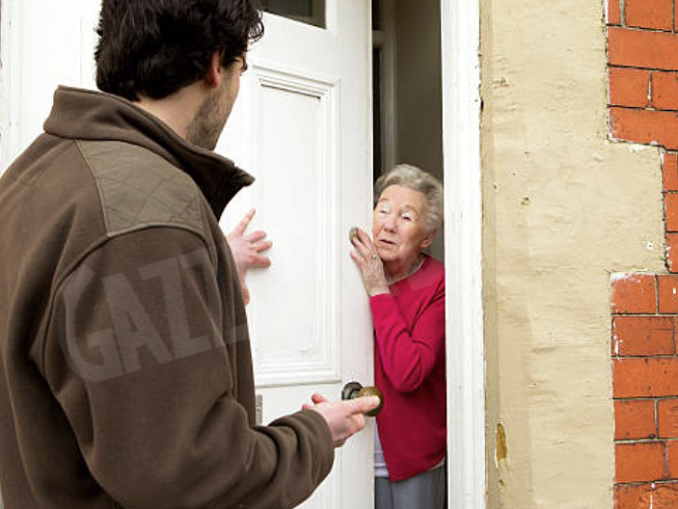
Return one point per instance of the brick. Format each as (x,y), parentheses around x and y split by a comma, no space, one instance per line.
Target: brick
(613,12)
(634,419)
(667,418)
(646,496)
(640,462)
(629,87)
(671,204)
(670,171)
(645,377)
(665,90)
(667,290)
(672,456)
(672,252)
(634,293)
(645,126)
(643,335)
(657,14)
(641,48)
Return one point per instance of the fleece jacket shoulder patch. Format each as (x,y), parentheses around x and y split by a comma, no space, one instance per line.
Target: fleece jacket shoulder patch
(139,188)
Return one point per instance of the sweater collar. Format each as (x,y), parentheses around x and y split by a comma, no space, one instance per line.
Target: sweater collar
(90,115)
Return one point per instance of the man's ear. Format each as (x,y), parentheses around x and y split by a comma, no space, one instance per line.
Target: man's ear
(213,75)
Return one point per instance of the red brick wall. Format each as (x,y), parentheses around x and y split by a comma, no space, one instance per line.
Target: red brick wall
(643,79)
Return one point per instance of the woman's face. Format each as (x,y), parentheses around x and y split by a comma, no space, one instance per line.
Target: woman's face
(398,225)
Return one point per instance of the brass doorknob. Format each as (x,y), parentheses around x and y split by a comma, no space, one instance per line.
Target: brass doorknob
(352,233)
(355,390)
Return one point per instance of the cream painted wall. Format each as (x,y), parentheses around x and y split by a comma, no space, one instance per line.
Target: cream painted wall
(564,208)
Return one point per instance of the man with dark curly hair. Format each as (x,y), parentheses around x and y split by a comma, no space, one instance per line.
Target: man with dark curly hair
(125,368)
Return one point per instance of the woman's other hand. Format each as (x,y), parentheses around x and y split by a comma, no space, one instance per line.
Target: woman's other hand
(247,250)
(371,267)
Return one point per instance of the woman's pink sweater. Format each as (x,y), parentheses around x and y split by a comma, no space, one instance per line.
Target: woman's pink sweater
(409,362)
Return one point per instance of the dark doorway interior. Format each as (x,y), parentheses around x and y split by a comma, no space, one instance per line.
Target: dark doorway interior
(407,89)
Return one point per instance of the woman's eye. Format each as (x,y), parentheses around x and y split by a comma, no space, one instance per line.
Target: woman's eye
(407,217)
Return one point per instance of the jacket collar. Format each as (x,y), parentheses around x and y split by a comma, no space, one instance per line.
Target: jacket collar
(89,115)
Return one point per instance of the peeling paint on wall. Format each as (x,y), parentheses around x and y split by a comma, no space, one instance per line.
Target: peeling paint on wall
(502,447)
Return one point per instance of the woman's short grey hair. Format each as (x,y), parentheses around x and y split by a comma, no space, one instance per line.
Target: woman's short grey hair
(416,179)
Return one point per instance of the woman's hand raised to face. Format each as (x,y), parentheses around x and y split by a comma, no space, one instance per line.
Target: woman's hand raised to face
(371,267)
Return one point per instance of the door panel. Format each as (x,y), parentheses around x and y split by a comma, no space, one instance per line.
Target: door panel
(296,132)
(301,126)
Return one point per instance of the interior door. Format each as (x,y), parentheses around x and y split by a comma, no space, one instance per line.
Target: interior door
(301,126)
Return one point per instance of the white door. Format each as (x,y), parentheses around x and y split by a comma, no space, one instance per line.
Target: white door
(302,127)
(44,44)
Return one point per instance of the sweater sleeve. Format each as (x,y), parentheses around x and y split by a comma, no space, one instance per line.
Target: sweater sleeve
(146,371)
(408,354)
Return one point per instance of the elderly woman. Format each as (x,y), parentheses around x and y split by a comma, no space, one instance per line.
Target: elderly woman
(407,299)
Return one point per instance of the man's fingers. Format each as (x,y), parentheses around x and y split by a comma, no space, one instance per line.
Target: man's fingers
(363,405)
(318,398)
(262,246)
(344,418)
(260,262)
(356,423)
(256,236)
(244,222)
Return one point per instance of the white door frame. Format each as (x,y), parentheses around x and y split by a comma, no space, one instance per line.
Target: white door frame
(460,26)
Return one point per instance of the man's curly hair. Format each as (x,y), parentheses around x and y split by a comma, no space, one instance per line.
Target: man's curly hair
(156,47)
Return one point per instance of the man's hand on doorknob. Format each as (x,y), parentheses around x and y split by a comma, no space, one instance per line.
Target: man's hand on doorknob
(345,418)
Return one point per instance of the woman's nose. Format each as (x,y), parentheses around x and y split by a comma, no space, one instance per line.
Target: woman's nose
(390,223)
